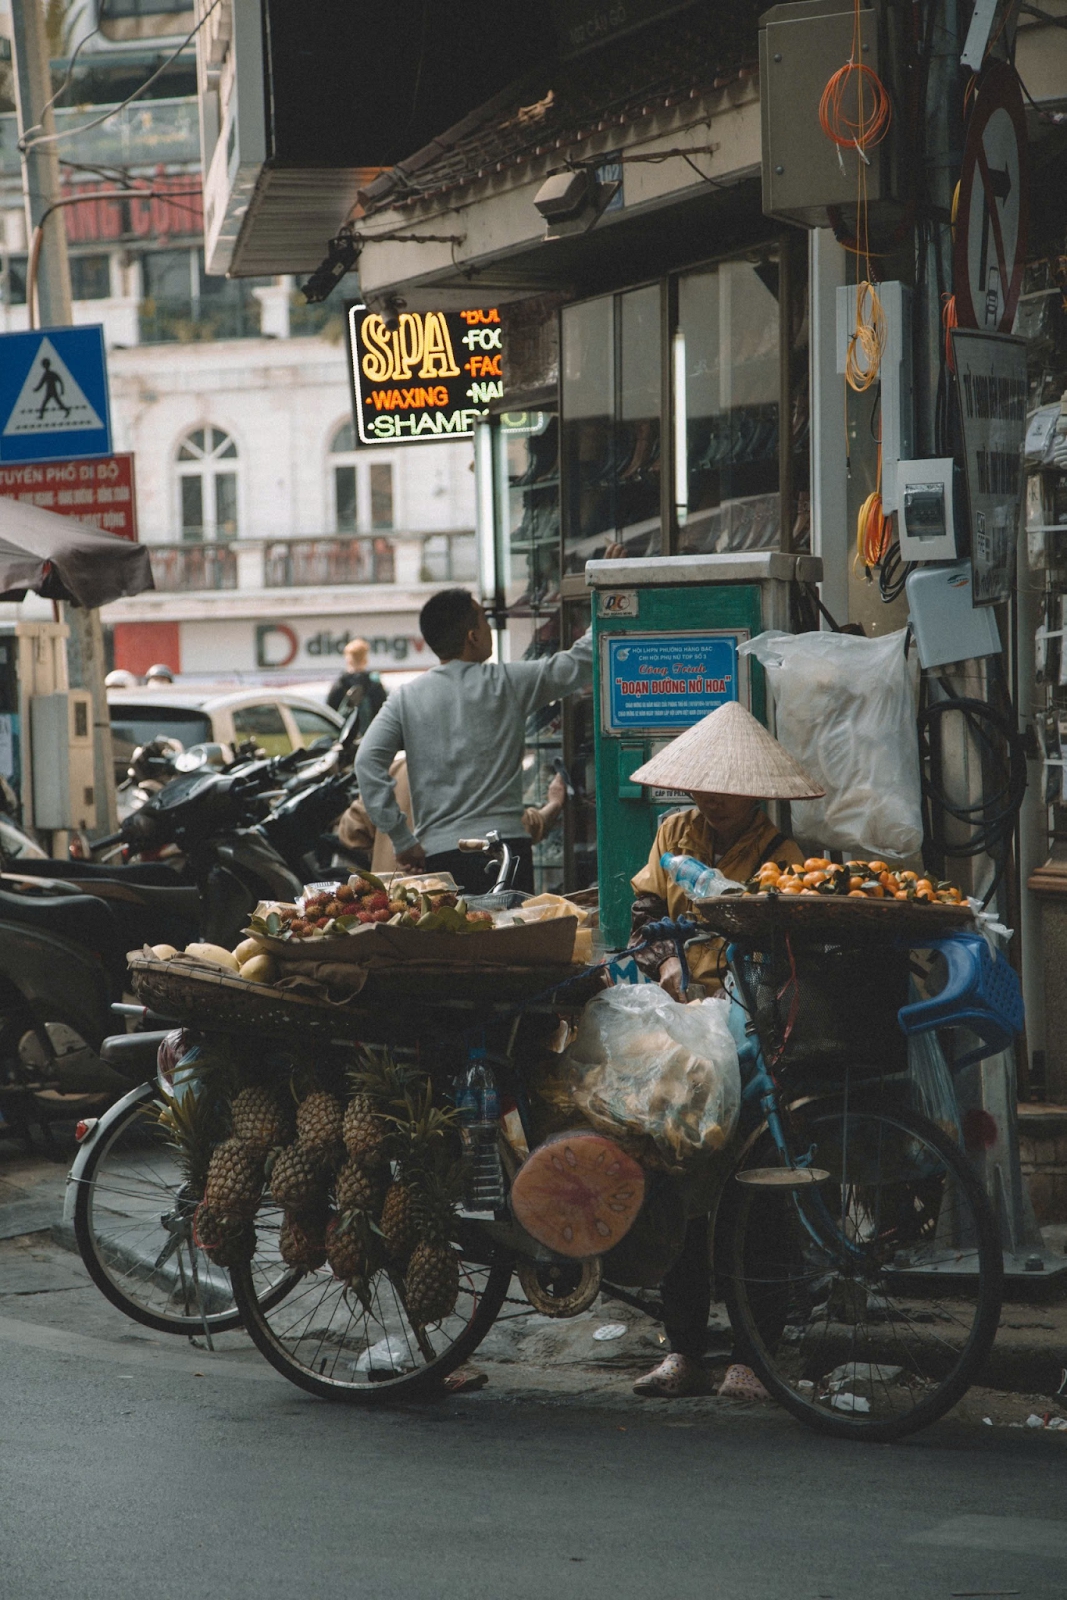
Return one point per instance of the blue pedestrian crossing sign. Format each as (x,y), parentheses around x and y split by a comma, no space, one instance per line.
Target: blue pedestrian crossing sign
(53,395)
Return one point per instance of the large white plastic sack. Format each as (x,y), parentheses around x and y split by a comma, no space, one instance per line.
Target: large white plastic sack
(845,708)
(643,1064)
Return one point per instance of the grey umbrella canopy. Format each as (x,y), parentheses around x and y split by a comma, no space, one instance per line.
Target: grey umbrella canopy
(64,559)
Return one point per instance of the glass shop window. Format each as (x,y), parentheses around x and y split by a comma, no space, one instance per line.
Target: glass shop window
(726,388)
(611,427)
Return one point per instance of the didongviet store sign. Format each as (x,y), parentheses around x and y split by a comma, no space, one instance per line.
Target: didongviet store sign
(429,376)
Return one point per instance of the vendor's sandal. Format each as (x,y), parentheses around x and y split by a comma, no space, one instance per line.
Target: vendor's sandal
(465,1380)
(741,1383)
(675,1377)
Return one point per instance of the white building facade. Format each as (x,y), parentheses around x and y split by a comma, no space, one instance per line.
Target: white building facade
(274,538)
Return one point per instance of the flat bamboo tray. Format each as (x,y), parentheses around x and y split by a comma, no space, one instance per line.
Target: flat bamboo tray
(828,919)
(199,997)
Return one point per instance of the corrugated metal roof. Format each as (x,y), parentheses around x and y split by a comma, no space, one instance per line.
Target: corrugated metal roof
(683,58)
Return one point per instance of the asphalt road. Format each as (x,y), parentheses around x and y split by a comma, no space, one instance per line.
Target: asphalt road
(136,1468)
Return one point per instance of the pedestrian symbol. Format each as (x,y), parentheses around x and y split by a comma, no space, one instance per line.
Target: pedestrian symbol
(53,395)
(50,397)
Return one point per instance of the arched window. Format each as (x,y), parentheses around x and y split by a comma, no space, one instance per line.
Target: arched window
(362,489)
(207,485)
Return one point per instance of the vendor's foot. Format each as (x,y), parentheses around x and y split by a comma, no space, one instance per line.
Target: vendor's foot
(674,1377)
(741,1383)
(465,1380)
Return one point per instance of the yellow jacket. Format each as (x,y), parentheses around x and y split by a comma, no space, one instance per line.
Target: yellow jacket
(687,833)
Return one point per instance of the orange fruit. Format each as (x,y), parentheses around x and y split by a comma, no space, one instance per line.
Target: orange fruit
(875,867)
(900,894)
(856,894)
(812,878)
(816,864)
(854,883)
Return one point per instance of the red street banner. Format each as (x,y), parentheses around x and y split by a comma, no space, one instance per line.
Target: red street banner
(99,492)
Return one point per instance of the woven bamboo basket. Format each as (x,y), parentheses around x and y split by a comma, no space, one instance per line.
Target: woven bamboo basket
(199,997)
(826,919)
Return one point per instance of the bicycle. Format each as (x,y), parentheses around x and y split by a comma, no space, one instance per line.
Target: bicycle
(870,1315)
(131,1209)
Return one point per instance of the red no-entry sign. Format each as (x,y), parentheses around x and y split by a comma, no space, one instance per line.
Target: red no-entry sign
(991,218)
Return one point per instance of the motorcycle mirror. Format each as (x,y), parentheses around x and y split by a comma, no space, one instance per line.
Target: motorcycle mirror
(350,732)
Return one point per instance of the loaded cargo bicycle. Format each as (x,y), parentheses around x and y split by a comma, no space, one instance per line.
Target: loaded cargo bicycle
(383,1121)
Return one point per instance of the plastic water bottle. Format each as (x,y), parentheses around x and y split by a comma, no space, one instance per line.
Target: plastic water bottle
(694,878)
(478,1104)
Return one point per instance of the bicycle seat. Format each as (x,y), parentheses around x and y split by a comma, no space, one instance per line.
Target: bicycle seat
(981,992)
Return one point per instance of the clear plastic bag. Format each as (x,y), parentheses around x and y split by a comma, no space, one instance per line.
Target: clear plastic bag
(845,708)
(641,1064)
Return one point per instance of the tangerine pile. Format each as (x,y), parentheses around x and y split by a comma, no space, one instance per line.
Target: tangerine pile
(863,880)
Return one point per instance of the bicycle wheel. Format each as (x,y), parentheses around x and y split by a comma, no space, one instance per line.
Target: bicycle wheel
(867,1302)
(133,1227)
(324,1340)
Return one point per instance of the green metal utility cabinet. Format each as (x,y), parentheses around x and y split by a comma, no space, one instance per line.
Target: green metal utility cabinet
(666,632)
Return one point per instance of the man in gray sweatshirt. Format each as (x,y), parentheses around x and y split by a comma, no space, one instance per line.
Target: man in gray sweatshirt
(462,725)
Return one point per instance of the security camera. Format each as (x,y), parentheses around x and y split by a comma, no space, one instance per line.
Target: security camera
(343,254)
(571,201)
(565,195)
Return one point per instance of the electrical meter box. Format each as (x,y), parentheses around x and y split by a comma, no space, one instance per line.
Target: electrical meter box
(61,728)
(801,46)
(666,632)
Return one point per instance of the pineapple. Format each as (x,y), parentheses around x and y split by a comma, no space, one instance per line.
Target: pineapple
(302,1241)
(431,1283)
(398,1220)
(364,1131)
(230,1241)
(297,1179)
(356,1188)
(346,1252)
(234,1179)
(258,1118)
(319,1123)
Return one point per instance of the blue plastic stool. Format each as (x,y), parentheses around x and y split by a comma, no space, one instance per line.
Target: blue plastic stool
(981,993)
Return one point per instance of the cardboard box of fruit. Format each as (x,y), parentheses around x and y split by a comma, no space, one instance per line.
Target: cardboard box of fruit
(369,923)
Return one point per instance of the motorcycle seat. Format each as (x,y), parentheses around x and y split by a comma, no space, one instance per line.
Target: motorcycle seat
(149,873)
(81,918)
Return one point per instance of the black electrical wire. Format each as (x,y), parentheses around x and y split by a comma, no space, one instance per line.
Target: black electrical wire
(991,820)
(893,574)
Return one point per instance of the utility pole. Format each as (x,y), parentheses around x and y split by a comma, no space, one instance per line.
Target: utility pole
(40,182)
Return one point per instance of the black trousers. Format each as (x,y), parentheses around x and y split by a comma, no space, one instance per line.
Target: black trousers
(687,1286)
(469,869)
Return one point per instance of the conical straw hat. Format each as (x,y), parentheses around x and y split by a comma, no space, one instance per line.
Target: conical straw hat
(729,752)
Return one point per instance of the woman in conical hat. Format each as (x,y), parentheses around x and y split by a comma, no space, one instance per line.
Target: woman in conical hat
(727,764)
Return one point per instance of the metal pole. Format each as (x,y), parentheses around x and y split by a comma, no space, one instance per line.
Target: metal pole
(40,182)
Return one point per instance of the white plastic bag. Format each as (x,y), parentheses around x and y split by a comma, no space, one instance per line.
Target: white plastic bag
(845,708)
(643,1064)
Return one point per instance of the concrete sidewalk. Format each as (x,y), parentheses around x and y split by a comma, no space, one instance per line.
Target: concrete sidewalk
(42,1280)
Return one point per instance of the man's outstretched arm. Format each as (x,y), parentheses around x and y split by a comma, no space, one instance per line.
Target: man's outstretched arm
(377,789)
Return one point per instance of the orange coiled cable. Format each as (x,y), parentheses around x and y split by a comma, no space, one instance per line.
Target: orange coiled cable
(866,127)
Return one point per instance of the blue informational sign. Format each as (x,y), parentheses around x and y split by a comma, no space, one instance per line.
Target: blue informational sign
(53,395)
(658,682)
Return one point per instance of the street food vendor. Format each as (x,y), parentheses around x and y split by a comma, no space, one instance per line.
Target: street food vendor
(727,763)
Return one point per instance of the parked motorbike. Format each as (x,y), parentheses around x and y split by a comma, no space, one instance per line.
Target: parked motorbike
(63,941)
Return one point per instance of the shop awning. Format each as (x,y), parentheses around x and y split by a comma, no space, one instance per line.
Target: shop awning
(63,559)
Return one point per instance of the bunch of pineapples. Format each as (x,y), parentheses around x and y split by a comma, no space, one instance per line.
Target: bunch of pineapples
(233,1184)
(391,1198)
